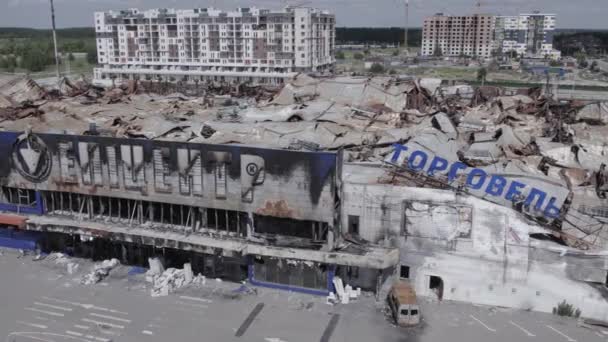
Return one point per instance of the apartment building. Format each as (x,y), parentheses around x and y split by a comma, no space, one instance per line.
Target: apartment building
(207,44)
(530,33)
(471,35)
(480,34)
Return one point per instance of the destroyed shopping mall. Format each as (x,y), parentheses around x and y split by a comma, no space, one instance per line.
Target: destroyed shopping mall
(484,195)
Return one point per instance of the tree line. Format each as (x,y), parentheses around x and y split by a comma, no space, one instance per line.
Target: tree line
(589,42)
(380,35)
(33,50)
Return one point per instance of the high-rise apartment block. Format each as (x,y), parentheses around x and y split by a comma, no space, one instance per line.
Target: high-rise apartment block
(527,33)
(206,44)
(470,35)
(483,34)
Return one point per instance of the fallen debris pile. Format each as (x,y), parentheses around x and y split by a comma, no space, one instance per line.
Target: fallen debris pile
(99,272)
(171,279)
(343,294)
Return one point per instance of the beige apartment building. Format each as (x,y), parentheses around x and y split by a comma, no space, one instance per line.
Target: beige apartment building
(471,35)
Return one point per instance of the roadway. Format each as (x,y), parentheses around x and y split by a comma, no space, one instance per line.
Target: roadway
(41,302)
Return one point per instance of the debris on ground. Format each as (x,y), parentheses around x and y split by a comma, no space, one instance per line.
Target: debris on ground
(343,294)
(172,279)
(99,272)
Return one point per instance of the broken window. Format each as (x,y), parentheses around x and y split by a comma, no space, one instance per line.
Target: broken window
(139,212)
(353,225)
(404,272)
(289,227)
(290,272)
(17,196)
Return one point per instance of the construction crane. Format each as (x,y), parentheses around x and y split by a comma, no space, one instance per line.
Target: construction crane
(407,26)
(55,41)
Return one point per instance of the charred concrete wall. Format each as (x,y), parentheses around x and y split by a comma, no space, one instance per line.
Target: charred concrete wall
(283,184)
(480,252)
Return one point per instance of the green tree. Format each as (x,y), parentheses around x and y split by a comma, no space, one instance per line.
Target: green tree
(340,55)
(92,55)
(392,72)
(358,56)
(71,57)
(3,62)
(11,63)
(482,73)
(377,68)
(396,53)
(35,57)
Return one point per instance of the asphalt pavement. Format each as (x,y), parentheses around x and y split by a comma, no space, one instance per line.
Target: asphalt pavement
(41,302)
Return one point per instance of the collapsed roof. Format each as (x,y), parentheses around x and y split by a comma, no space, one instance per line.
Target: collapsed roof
(519,134)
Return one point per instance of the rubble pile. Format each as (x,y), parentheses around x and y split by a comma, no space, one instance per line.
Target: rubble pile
(169,280)
(99,272)
(343,294)
(520,133)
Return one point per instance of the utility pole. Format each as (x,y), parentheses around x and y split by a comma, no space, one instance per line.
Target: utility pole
(55,42)
(407,26)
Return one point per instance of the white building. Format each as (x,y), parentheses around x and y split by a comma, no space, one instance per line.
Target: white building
(207,44)
(527,34)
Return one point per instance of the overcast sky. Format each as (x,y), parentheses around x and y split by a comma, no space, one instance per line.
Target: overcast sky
(350,13)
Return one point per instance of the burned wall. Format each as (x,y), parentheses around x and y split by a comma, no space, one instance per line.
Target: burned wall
(288,184)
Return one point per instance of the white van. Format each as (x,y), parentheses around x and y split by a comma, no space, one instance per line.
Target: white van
(403,304)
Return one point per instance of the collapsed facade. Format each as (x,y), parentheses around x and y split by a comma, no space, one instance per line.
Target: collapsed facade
(371,179)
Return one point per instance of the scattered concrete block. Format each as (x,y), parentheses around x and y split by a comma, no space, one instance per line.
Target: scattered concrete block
(72,267)
(339,287)
(188,275)
(156,266)
(331,298)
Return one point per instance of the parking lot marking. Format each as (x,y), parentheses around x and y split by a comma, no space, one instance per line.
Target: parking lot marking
(51,313)
(204,300)
(61,308)
(111,317)
(247,322)
(331,326)
(39,326)
(522,329)
(147,332)
(112,325)
(81,327)
(482,323)
(192,305)
(570,339)
(85,306)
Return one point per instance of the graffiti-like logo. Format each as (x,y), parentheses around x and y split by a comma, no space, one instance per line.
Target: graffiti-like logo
(252,169)
(32,158)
